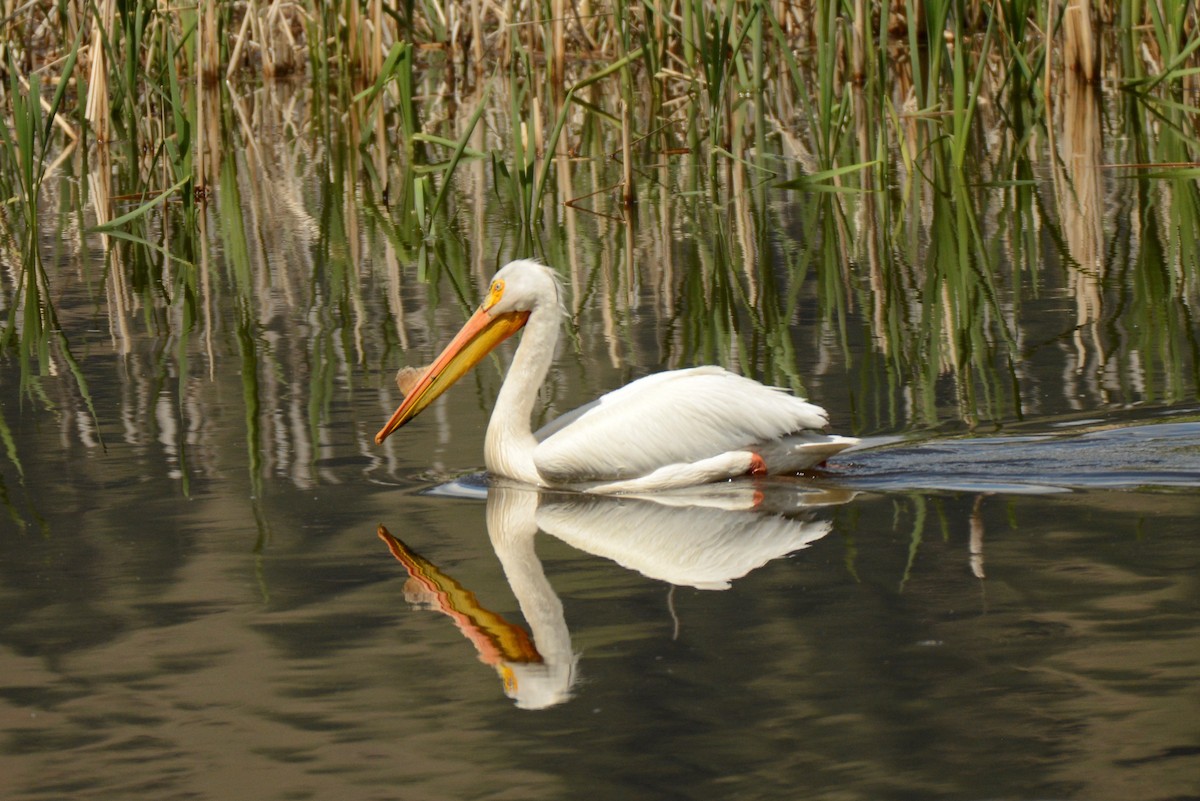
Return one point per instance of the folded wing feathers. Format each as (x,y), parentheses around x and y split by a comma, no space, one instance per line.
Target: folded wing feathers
(675,417)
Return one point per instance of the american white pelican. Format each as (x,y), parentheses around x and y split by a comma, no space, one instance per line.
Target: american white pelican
(673,429)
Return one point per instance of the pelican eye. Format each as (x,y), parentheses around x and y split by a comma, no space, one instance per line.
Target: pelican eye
(495,292)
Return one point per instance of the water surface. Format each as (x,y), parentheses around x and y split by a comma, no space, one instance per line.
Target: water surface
(919,643)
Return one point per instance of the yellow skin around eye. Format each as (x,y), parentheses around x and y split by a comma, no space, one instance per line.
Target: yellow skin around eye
(495,292)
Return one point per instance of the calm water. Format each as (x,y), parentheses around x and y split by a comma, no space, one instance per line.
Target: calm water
(997,597)
(917,644)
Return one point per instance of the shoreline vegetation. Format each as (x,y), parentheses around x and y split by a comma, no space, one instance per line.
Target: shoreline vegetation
(949,168)
(816,68)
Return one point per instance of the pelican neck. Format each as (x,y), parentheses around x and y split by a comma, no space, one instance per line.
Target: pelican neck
(509,444)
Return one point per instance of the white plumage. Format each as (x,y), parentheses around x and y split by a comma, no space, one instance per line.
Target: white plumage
(690,546)
(671,429)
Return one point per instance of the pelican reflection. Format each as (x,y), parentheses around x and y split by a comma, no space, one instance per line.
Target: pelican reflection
(695,540)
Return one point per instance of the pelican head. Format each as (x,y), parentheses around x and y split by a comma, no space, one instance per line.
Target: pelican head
(516,291)
(522,286)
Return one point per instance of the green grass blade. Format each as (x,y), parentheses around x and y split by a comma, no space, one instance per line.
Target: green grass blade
(140,211)
(67,69)
(459,149)
(809,181)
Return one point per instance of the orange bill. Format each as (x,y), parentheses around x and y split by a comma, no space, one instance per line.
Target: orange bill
(497,641)
(478,337)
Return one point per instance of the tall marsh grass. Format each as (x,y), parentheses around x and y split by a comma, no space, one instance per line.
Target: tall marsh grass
(642,148)
(911,73)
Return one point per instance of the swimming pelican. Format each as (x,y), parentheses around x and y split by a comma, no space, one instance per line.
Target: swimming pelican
(673,429)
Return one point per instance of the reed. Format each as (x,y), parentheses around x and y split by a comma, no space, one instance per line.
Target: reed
(942,54)
(880,122)
(32,328)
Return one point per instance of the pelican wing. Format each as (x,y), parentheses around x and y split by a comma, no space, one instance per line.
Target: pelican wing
(676,417)
(564,420)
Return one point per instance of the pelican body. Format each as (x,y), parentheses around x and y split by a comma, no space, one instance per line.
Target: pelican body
(677,428)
